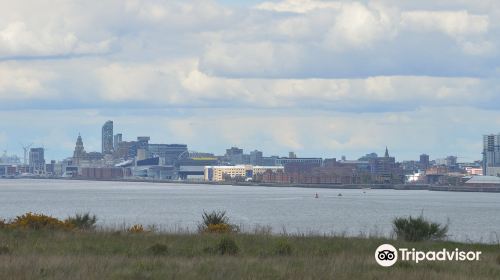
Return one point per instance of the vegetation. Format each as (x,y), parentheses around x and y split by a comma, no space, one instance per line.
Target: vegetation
(35,221)
(283,248)
(136,229)
(418,229)
(122,255)
(227,246)
(159,249)
(216,222)
(40,252)
(82,221)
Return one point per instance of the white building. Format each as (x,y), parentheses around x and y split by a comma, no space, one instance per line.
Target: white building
(218,173)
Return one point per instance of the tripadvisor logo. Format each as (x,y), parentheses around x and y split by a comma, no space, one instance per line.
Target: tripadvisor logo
(387,255)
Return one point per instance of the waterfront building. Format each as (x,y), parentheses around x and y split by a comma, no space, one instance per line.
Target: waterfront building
(82,158)
(221,173)
(107,138)
(491,153)
(37,160)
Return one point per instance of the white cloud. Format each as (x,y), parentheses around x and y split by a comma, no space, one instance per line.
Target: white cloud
(393,62)
(298,6)
(359,26)
(22,83)
(454,24)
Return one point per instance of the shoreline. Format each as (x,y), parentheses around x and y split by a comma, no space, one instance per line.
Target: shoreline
(310,186)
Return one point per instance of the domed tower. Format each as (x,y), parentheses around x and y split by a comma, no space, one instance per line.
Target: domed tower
(79,152)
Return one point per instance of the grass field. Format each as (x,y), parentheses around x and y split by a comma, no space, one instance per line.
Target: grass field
(27,254)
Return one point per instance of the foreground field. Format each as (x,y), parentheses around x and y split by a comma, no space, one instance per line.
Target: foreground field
(122,255)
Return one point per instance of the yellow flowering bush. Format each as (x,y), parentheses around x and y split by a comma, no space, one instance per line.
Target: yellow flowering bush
(218,228)
(136,229)
(38,221)
(216,222)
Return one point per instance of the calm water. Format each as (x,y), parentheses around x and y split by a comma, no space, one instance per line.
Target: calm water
(471,216)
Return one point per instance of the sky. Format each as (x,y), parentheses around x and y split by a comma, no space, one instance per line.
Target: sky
(320,78)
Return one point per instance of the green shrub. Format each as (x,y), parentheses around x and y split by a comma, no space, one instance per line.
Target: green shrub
(214,218)
(227,246)
(282,248)
(4,250)
(418,229)
(159,249)
(82,221)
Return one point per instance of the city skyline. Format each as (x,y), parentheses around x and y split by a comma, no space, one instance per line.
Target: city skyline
(321,78)
(110,143)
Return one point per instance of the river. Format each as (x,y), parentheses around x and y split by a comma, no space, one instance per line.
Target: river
(471,216)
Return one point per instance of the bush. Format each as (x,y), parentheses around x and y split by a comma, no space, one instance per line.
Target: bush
(418,229)
(82,221)
(283,248)
(3,224)
(227,246)
(38,222)
(136,229)
(158,249)
(215,218)
(4,250)
(216,222)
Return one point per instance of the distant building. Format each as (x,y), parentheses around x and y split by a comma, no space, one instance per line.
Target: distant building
(221,173)
(170,153)
(82,158)
(116,140)
(235,156)
(295,160)
(107,137)
(37,160)
(126,150)
(491,153)
(424,161)
(143,142)
(256,157)
(385,168)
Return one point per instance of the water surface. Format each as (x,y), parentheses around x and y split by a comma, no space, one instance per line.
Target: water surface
(471,216)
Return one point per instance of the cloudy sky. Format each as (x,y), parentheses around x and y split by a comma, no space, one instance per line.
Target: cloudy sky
(321,78)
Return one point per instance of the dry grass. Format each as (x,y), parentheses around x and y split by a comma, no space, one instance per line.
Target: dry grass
(122,255)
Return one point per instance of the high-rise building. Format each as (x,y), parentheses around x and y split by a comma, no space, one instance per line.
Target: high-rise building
(424,161)
(491,152)
(116,140)
(37,160)
(107,137)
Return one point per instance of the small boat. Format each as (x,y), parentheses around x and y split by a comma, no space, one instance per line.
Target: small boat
(316,196)
(339,194)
